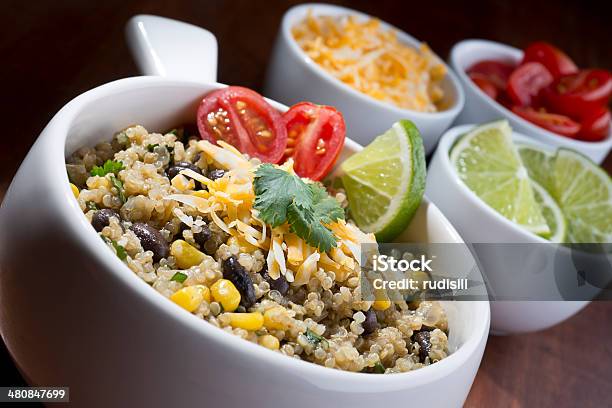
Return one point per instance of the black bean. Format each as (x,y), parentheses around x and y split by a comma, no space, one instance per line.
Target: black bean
(423,339)
(201,237)
(370,324)
(281,285)
(233,271)
(180,166)
(216,174)
(101,218)
(151,240)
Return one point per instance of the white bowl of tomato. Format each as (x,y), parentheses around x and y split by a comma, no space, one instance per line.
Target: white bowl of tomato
(540,90)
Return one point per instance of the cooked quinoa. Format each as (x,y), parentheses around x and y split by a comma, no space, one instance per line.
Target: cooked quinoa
(179,212)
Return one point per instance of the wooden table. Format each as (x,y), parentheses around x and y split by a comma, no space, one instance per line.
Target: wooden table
(52,52)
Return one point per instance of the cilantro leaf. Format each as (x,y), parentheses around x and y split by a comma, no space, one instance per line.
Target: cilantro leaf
(91,206)
(315,339)
(119,186)
(326,208)
(151,147)
(275,189)
(304,223)
(179,277)
(111,166)
(119,249)
(282,197)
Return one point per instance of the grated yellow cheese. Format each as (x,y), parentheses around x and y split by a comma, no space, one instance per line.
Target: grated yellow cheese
(229,203)
(373,61)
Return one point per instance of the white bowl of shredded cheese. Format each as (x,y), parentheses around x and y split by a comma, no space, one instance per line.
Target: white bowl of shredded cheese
(371,71)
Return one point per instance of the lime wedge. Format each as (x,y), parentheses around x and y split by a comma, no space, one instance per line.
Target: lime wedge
(488,163)
(385,181)
(552,213)
(584,193)
(539,164)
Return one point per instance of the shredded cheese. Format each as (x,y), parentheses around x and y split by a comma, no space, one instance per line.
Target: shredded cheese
(228,201)
(373,61)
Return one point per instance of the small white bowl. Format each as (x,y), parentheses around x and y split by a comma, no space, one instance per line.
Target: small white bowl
(479,107)
(71,313)
(293,77)
(533,274)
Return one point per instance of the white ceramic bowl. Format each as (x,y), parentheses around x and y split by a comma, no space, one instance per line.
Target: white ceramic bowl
(528,275)
(293,77)
(479,107)
(73,314)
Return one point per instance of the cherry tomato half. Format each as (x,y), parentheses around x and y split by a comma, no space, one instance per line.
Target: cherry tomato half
(316,135)
(581,94)
(485,85)
(559,124)
(596,126)
(555,60)
(526,83)
(243,118)
(497,72)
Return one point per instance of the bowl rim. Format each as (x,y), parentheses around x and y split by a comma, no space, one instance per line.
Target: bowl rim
(515,54)
(445,145)
(295,13)
(55,136)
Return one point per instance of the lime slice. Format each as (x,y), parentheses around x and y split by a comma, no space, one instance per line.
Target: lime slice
(584,193)
(386,180)
(539,164)
(552,213)
(488,163)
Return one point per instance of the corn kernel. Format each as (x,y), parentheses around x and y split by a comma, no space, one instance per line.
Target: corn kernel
(273,318)
(247,321)
(224,292)
(75,190)
(269,341)
(186,255)
(205,292)
(381,304)
(188,298)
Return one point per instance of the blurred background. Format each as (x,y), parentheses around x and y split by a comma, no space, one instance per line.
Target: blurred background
(53,51)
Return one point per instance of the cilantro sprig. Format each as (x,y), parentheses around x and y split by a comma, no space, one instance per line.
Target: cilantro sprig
(284,197)
(110,166)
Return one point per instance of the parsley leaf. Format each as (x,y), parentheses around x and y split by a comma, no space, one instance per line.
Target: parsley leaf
(284,197)
(119,186)
(379,368)
(111,166)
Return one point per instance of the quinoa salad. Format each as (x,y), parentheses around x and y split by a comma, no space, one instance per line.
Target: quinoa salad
(193,220)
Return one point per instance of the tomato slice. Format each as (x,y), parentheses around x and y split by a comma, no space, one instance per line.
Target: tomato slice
(244,119)
(581,94)
(559,124)
(596,126)
(526,83)
(496,72)
(316,135)
(555,60)
(484,84)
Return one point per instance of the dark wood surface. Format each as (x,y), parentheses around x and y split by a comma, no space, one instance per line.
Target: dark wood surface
(53,51)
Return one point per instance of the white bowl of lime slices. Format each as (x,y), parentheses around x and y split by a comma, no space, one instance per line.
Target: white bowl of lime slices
(474,171)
